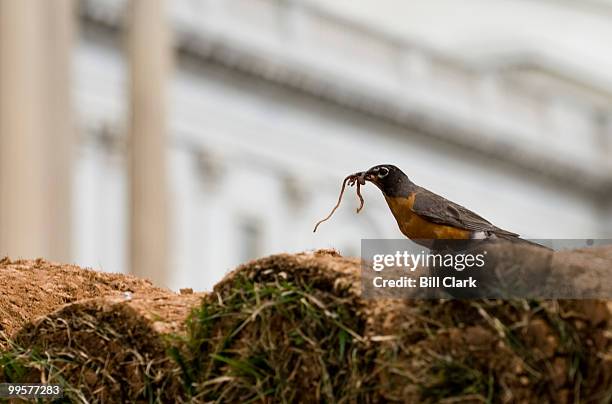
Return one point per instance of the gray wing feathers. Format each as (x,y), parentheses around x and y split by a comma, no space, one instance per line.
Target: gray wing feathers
(442,211)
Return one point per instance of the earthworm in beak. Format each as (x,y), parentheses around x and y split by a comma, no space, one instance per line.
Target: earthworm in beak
(357,178)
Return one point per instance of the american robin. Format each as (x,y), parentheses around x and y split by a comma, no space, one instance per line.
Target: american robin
(424,216)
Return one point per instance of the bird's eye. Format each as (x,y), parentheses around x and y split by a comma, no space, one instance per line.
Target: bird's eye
(383,172)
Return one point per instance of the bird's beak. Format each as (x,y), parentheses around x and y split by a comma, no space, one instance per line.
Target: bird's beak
(368,176)
(360,177)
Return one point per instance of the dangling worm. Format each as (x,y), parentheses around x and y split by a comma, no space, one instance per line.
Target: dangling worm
(359,179)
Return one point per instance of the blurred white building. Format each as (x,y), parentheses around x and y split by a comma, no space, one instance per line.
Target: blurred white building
(502,106)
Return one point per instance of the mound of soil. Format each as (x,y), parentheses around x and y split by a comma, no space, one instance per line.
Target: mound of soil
(295,327)
(111,348)
(288,328)
(31,288)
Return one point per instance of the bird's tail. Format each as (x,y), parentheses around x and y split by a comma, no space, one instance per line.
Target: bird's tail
(516,239)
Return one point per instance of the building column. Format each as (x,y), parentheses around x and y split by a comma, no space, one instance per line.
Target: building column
(60,132)
(36,133)
(149,57)
(23,204)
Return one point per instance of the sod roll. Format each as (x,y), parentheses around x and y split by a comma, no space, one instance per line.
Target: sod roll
(295,327)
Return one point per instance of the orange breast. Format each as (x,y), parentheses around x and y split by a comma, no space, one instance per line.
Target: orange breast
(415,227)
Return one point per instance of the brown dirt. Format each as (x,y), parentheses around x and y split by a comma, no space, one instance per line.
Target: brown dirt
(32,288)
(252,339)
(113,339)
(412,350)
(112,327)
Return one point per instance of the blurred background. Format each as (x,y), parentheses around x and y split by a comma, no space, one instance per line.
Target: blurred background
(177,139)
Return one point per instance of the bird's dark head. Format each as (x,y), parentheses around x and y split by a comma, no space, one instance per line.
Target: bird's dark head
(391,180)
